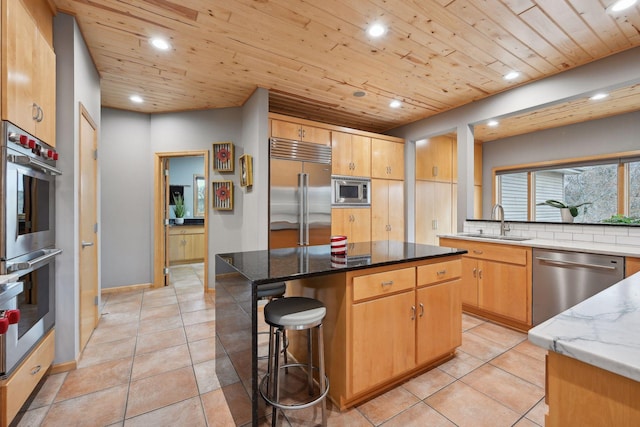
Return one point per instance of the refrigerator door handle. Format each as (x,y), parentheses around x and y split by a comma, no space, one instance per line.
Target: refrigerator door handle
(305,185)
(301,201)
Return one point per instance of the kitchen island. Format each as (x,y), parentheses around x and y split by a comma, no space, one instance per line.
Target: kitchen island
(393,310)
(593,363)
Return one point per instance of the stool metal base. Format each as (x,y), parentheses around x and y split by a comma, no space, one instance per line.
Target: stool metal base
(265,395)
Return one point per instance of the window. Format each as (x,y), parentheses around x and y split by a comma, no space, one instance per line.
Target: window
(596,185)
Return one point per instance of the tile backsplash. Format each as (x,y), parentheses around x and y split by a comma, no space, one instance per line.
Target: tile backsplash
(615,235)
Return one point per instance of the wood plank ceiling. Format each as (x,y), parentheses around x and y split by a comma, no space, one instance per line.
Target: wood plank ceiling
(313,55)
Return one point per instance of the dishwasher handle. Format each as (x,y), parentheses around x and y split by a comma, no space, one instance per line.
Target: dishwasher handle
(577,264)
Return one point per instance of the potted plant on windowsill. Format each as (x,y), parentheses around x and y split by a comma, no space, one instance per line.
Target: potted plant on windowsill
(179,208)
(567,212)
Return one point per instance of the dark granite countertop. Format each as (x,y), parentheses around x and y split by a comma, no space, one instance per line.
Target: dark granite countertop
(275,265)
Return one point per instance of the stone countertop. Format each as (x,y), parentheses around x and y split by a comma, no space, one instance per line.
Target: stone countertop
(567,245)
(603,331)
(268,266)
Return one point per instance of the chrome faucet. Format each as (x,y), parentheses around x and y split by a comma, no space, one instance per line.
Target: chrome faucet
(503,227)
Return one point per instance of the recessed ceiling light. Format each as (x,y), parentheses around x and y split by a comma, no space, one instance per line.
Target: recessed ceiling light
(492,123)
(136,98)
(620,5)
(512,75)
(159,43)
(395,104)
(599,96)
(359,93)
(376,30)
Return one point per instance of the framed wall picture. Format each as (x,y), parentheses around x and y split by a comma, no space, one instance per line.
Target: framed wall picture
(223,156)
(222,195)
(246,170)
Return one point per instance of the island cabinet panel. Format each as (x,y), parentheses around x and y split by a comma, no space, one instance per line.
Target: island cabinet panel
(385,283)
(355,223)
(439,320)
(387,159)
(300,132)
(350,154)
(383,340)
(496,281)
(580,394)
(632,266)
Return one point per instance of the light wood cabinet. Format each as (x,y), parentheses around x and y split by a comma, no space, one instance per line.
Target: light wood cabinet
(383,340)
(632,266)
(15,390)
(186,244)
(434,211)
(300,132)
(350,154)
(28,73)
(387,210)
(387,159)
(496,281)
(434,159)
(355,223)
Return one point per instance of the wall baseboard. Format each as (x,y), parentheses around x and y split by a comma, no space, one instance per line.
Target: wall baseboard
(128,288)
(63,367)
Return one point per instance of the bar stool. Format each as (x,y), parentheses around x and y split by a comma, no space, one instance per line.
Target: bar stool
(271,291)
(294,313)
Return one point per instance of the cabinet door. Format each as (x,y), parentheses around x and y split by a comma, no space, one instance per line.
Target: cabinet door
(361,155)
(379,209)
(316,135)
(439,325)
(340,153)
(433,211)
(288,130)
(45,90)
(387,159)
(340,222)
(176,248)
(469,287)
(434,159)
(360,225)
(18,32)
(502,289)
(383,343)
(395,210)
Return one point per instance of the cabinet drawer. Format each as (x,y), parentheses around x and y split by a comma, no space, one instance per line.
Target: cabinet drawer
(491,251)
(378,284)
(442,271)
(19,386)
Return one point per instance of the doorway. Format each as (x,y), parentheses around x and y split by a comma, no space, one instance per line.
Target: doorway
(176,240)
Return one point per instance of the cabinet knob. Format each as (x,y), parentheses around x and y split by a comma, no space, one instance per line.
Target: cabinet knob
(475,251)
(413,312)
(474,273)
(435,171)
(441,272)
(421,309)
(387,283)
(480,274)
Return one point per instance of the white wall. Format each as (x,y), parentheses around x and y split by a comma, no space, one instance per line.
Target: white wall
(610,73)
(76,82)
(130,143)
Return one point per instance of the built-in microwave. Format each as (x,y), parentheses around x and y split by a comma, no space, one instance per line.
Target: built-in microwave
(349,191)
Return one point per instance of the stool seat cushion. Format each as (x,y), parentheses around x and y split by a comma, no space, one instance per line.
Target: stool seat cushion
(271,290)
(294,311)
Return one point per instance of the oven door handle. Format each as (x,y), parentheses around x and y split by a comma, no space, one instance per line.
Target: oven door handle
(10,290)
(34,263)
(34,164)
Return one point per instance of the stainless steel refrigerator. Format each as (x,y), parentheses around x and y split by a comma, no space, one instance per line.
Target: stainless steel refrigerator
(299,193)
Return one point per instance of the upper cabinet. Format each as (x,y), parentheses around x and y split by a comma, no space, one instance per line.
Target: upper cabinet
(387,159)
(434,159)
(28,73)
(300,132)
(350,154)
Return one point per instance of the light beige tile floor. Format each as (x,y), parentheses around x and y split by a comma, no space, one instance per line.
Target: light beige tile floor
(152,362)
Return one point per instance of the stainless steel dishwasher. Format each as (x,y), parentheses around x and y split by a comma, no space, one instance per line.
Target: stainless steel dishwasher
(562,279)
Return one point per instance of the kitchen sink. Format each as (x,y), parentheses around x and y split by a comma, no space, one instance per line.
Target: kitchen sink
(495,237)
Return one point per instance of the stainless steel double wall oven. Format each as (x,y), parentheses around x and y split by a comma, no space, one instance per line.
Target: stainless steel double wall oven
(27,243)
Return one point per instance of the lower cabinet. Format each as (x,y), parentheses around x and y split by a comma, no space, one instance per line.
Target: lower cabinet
(186,244)
(355,223)
(632,266)
(496,281)
(15,390)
